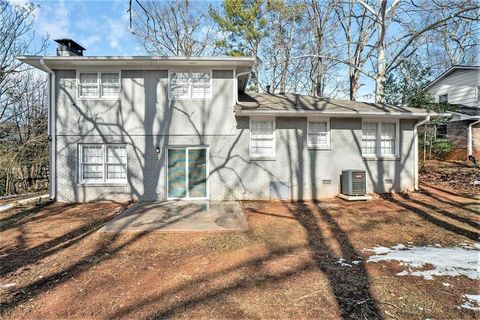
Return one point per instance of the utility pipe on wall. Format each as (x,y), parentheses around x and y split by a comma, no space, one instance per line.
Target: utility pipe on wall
(52,172)
(415,147)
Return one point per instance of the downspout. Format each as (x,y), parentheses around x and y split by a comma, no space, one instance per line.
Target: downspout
(236,85)
(470,137)
(52,181)
(415,147)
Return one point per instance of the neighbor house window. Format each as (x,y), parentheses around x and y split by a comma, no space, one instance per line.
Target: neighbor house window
(262,138)
(95,85)
(379,138)
(102,163)
(443,98)
(190,85)
(318,134)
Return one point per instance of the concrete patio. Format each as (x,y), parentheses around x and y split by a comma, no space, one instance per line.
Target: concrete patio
(180,216)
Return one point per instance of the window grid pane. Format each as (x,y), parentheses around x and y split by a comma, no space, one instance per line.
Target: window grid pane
(88,85)
(190,85)
(262,138)
(317,133)
(387,138)
(369,138)
(93,163)
(110,83)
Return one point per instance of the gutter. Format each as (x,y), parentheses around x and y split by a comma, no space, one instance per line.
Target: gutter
(52,139)
(470,137)
(415,148)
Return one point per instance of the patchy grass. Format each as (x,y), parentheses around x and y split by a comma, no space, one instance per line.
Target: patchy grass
(285,266)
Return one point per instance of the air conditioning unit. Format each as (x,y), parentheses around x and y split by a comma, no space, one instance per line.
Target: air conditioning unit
(354,183)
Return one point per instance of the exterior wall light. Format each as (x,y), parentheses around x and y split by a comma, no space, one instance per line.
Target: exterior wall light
(157,149)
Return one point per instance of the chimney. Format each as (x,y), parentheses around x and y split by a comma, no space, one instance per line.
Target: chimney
(68,47)
(268,88)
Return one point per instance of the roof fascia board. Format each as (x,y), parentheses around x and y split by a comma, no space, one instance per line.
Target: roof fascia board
(303,113)
(448,72)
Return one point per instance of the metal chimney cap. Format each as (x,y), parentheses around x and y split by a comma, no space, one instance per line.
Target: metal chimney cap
(70,43)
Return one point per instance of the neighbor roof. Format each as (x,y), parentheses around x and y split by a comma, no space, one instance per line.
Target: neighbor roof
(449,72)
(295,104)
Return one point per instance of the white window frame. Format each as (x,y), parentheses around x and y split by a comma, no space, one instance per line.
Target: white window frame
(441,95)
(263,156)
(170,97)
(378,154)
(319,146)
(99,85)
(104,179)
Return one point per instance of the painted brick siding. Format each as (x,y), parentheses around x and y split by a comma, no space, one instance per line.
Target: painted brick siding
(143,119)
(232,174)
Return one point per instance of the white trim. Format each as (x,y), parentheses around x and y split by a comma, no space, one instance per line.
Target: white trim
(104,180)
(262,156)
(319,119)
(378,155)
(470,137)
(99,84)
(207,169)
(334,114)
(209,97)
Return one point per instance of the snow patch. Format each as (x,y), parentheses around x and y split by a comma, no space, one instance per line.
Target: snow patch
(432,260)
(472,303)
(343,262)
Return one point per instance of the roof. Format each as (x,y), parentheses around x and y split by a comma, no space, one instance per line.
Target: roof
(69,62)
(70,43)
(449,72)
(295,104)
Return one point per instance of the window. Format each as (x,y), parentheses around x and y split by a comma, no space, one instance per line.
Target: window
(262,138)
(98,85)
(100,163)
(190,85)
(380,139)
(318,134)
(443,98)
(441,131)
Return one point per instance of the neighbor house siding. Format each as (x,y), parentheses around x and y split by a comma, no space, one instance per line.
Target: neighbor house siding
(461,87)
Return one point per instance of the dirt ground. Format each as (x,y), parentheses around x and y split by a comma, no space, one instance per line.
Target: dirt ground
(285,266)
(457,175)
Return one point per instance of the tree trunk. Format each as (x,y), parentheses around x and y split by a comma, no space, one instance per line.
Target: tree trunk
(380,78)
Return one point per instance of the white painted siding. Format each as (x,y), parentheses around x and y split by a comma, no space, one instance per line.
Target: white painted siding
(461,87)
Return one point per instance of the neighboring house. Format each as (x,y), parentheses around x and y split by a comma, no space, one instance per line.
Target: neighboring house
(156,128)
(460,86)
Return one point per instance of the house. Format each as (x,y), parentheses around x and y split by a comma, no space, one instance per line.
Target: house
(460,86)
(156,128)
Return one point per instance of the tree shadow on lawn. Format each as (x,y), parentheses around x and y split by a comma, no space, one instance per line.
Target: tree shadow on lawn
(109,244)
(421,208)
(350,285)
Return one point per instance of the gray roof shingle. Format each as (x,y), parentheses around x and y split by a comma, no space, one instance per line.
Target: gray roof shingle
(295,103)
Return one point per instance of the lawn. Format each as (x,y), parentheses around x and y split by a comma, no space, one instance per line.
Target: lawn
(298,260)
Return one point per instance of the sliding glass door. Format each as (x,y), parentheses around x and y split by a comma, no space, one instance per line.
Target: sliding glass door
(187,172)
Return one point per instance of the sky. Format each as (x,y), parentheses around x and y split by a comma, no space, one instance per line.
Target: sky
(102,27)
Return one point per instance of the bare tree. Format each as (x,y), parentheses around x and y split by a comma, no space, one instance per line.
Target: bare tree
(357,30)
(24,140)
(173,28)
(16,37)
(414,21)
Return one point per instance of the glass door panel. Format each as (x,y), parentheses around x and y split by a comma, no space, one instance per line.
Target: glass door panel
(177,173)
(197,173)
